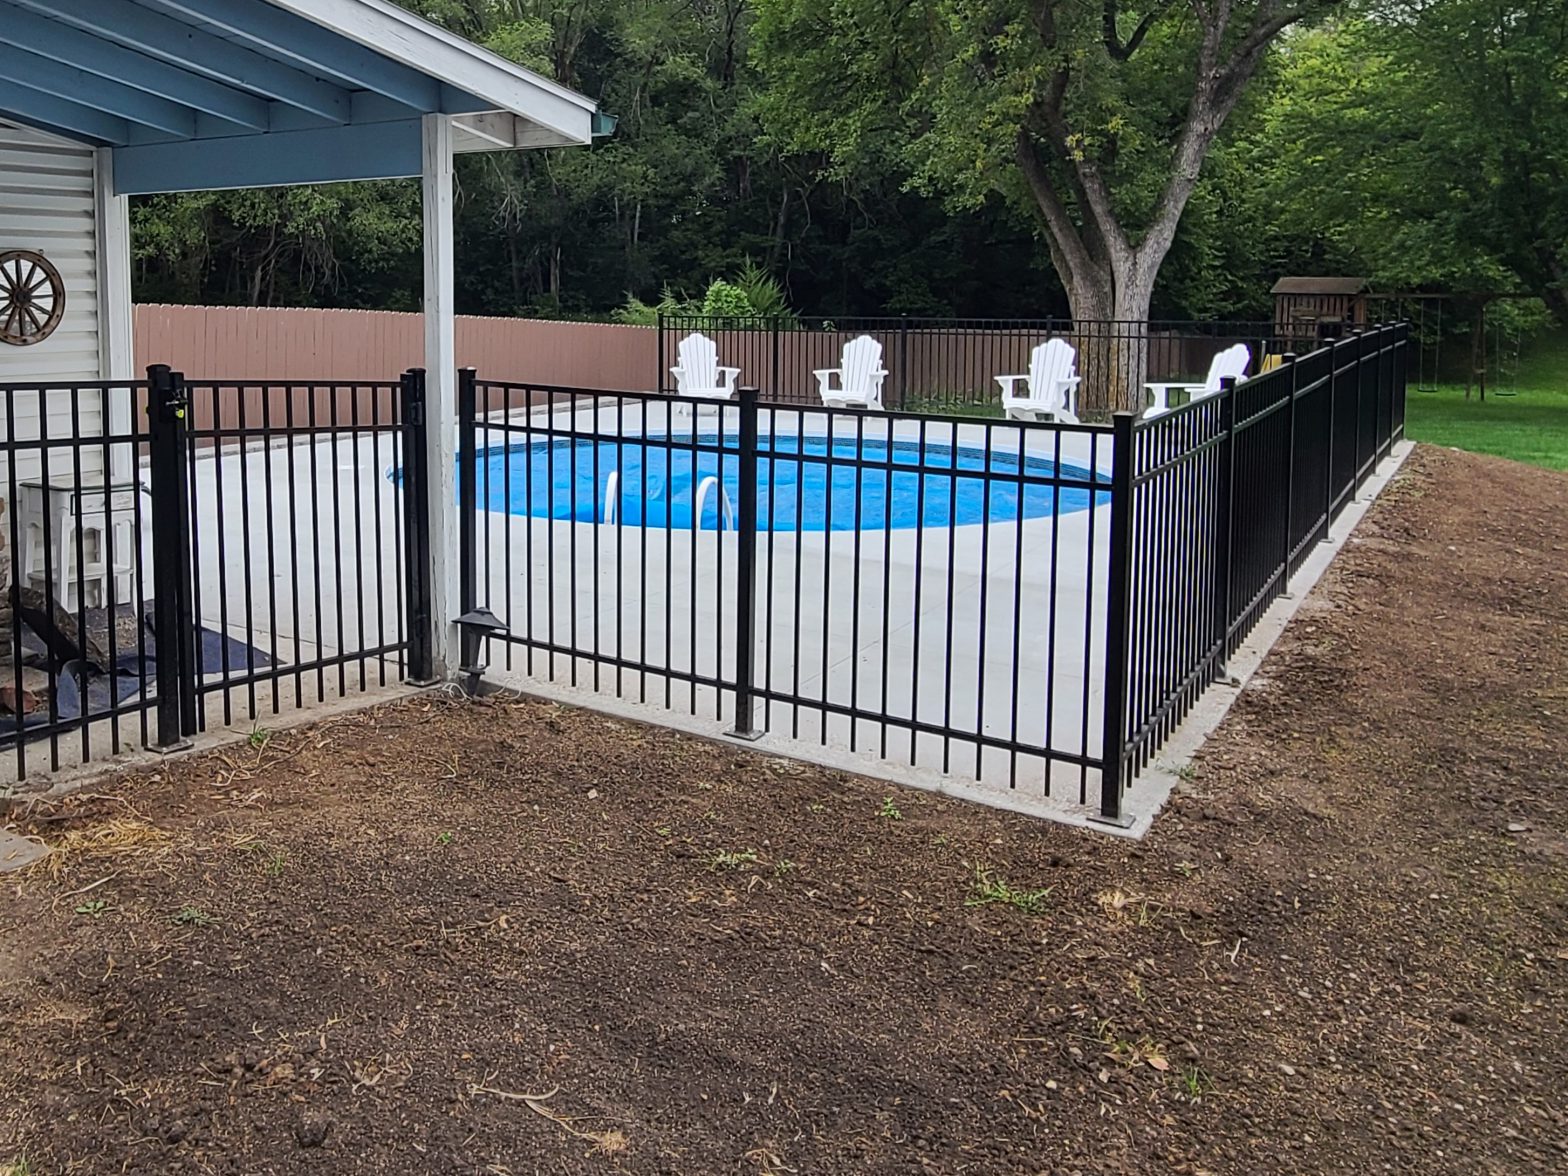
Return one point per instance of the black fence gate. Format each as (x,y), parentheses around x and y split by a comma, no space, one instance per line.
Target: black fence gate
(184,552)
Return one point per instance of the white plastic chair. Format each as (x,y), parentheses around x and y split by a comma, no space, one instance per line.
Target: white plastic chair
(697,372)
(1052,385)
(1231,363)
(859,375)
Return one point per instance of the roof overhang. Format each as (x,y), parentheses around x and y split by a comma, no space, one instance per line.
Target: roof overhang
(205,94)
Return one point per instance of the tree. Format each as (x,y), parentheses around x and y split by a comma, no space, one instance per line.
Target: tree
(1430,145)
(1099,117)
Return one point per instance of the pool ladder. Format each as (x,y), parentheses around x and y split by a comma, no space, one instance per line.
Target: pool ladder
(611,514)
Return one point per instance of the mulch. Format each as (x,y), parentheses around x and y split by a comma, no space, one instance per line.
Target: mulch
(513,937)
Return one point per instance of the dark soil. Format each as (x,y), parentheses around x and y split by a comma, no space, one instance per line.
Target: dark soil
(352,949)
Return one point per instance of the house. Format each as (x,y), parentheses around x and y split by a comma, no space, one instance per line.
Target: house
(101,100)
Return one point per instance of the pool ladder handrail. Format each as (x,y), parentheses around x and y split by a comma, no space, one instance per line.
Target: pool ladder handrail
(726,508)
(611,514)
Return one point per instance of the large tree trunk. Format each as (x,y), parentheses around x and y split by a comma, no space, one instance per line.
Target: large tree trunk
(1111,335)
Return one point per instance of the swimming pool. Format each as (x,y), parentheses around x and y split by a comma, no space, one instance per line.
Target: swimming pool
(657,481)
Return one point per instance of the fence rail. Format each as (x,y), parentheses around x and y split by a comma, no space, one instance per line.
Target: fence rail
(874,583)
(1032,605)
(1225,499)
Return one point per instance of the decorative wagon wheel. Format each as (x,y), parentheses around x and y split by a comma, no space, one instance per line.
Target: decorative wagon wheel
(32,297)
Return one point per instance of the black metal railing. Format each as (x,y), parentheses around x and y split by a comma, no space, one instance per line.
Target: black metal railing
(190,551)
(1217,504)
(952,365)
(914,587)
(1033,605)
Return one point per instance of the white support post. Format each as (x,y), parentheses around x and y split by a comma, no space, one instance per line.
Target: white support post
(116,351)
(441,388)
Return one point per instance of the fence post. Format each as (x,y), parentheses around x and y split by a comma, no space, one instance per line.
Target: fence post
(416,539)
(1359,383)
(776,394)
(171,555)
(1118,606)
(1402,375)
(467,515)
(658,352)
(1328,458)
(1224,527)
(746,571)
(903,361)
(1290,473)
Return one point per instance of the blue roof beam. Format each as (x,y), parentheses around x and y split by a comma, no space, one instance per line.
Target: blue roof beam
(312,47)
(64,81)
(180,44)
(72,120)
(324,155)
(73,47)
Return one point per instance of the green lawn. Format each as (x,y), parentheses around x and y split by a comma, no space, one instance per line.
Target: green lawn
(1530,427)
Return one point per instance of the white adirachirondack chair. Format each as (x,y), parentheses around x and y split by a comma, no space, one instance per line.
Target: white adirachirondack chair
(860,376)
(1052,385)
(1232,363)
(697,372)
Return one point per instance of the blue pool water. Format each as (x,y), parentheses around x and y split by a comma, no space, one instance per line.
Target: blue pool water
(568,478)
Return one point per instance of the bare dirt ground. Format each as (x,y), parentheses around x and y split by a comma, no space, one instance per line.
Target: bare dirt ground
(514,938)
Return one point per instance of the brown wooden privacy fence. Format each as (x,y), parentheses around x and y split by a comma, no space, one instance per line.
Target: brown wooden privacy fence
(935,363)
(271,345)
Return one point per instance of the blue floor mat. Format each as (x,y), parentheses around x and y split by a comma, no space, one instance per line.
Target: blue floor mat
(135,674)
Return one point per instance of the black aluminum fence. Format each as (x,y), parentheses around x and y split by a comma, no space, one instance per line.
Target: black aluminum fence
(1035,606)
(180,552)
(1216,506)
(917,588)
(953,364)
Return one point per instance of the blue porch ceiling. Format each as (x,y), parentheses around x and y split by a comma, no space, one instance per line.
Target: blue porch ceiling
(198,94)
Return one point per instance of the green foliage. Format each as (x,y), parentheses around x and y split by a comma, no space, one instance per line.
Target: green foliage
(1427,149)
(725,300)
(687,188)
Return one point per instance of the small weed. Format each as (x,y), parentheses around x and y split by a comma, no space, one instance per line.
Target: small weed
(889,811)
(193,916)
(94,908)
(259,738)
(816,808)
(664,831)
(731,859)
(445,837)
(990,889)
(782,867)
(21,1166)
(1195,1083)
(1186,869)
(941,841)
(1187,772)
(276,858)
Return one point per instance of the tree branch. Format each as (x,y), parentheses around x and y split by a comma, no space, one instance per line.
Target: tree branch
(1067,247)
(1114,45)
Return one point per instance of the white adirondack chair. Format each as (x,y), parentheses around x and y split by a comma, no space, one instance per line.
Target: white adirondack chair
(1052,385)
(1231,362)
(698,374)
(860,376)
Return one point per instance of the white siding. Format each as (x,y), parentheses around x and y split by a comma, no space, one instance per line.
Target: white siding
(46,204)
